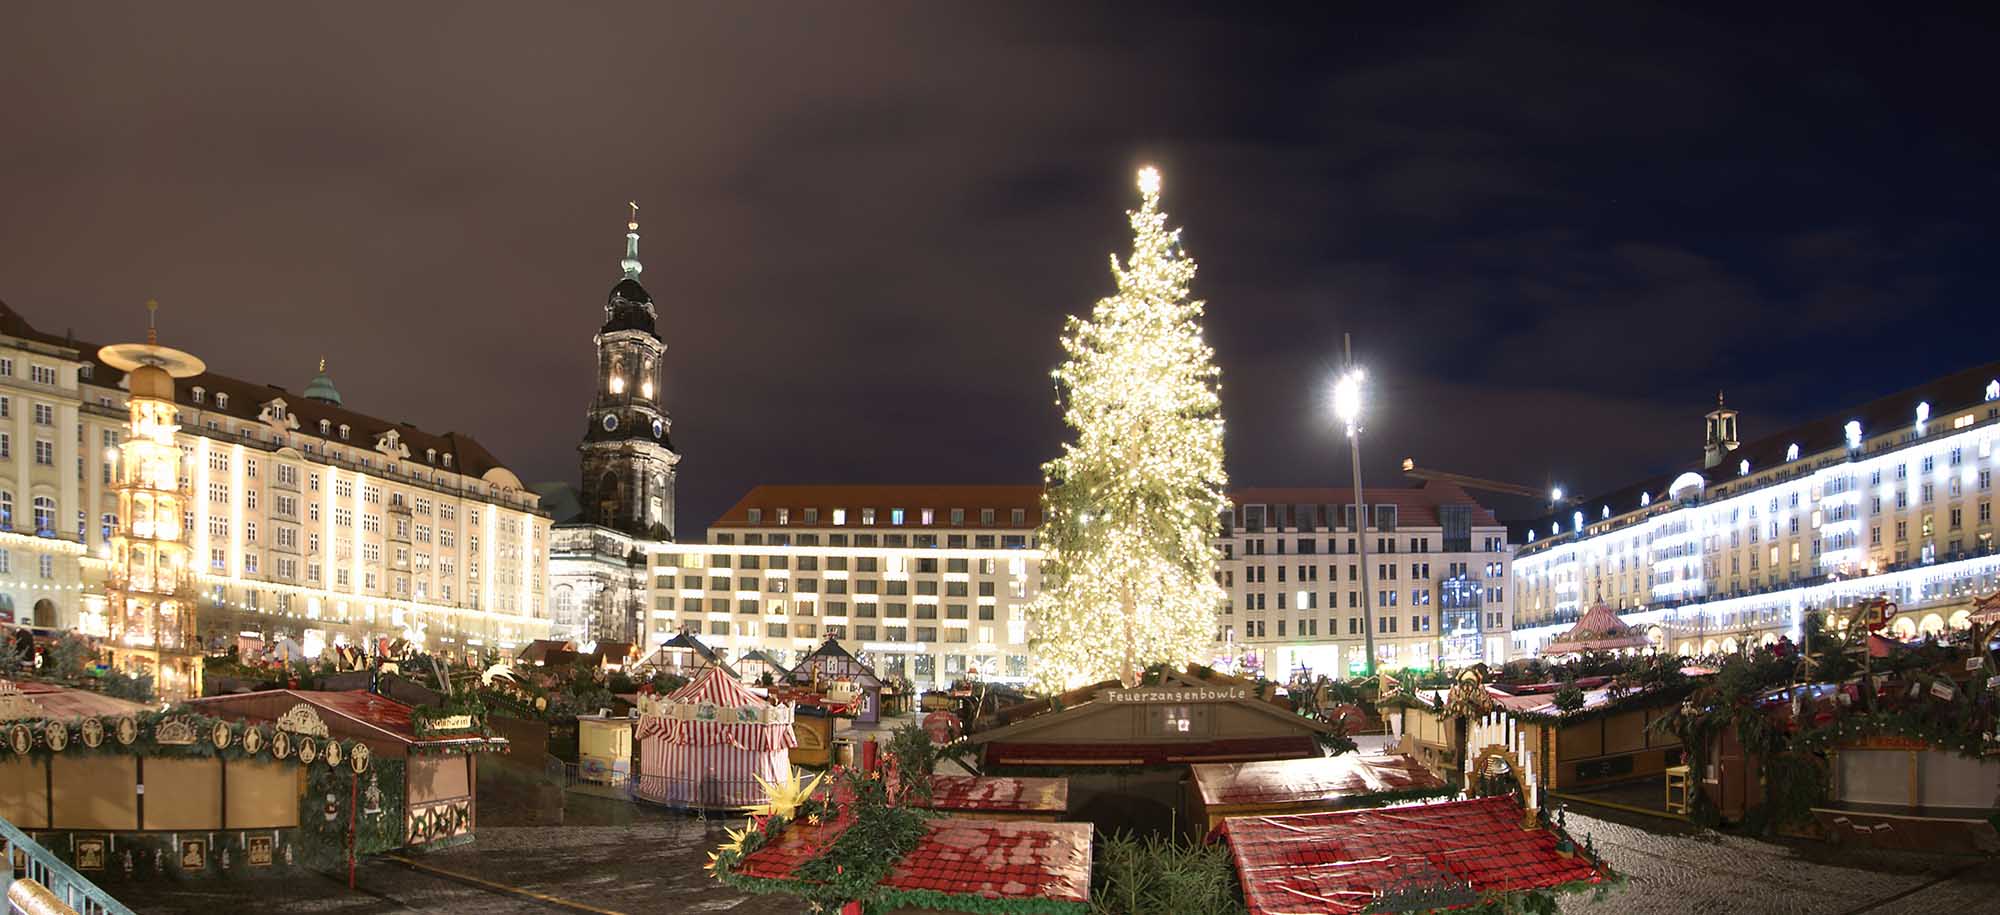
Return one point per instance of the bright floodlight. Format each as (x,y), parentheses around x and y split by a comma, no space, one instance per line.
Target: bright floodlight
(1556,494)
(1149,180)
(1347,398)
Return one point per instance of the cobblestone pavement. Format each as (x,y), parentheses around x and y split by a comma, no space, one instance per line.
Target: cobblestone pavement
(1672,869)
(639,860)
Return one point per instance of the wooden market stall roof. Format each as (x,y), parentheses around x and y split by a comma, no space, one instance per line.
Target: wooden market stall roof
(987,859)
(998,794)
(760,656)
(683,641)
(1346,861)
(1082,727)
(1325,779)
(48,700)
(383,723)
(833,662)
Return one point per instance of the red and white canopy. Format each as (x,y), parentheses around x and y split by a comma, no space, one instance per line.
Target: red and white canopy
(716,709)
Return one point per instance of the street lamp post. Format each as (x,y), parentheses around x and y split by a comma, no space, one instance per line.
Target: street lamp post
(1347,405)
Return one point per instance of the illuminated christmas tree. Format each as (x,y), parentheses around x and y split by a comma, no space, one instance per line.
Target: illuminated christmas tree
(1133,501)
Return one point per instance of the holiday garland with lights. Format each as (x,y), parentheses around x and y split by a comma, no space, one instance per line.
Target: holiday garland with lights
(1133,500)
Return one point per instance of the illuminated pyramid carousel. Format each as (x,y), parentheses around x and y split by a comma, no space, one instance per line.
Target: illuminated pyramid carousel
(150,596)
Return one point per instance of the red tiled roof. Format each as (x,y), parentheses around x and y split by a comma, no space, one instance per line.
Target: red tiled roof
(1340,862)
(1288,781)
(999,795)
(998,859)
(1416,506)
(1151,754)
(1003,499)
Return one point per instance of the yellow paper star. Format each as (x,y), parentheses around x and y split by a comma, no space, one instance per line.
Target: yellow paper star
(782,799)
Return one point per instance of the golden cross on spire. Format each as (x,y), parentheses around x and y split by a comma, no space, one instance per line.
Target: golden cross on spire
(322,365)
(634,223)
(152,322)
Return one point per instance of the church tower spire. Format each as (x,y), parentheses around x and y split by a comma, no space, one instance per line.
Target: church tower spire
(631,261)
(627,452)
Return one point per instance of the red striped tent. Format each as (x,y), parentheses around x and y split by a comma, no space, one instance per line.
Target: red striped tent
(708,743)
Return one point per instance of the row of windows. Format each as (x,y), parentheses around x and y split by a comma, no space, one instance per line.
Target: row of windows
(37,373)
(1017,517)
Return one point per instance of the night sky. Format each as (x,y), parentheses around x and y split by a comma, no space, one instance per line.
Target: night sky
(1555,233)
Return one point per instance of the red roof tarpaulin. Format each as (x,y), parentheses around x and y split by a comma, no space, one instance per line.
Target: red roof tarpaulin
(1342,862)
(994,859)
(1322,779)
(990,794)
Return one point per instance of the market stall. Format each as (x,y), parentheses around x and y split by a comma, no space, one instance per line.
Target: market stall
(423,790)
(682,656)
(757,668)
(707,743)
(832,668)
(604,747)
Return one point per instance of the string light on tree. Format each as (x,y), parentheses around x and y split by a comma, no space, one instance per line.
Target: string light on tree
(1133,500)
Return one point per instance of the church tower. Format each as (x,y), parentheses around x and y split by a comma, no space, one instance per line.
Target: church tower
(1721,436)
(628,456)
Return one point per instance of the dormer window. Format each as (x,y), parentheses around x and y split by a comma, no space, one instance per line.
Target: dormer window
(343,432)
(221,401)
(447,459)
(1792,453)
(756,516)
(200,395)
(431,455)
(326,427)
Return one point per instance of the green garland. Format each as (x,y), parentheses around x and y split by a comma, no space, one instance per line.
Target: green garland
(147,744)
(323,842)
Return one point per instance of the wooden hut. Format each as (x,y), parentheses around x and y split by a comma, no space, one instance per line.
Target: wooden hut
(830,667)
(1281,786)
(1126,751)
(756,667)
(231,784)
(424,763)
(1179,718)
(682,656)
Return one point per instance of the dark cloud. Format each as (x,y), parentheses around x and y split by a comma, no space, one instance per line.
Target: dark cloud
(1554,232)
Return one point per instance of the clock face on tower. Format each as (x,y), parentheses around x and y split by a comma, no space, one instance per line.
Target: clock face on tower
(610,422)
(659,428)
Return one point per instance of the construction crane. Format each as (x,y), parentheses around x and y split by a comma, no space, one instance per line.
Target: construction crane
(1554,494)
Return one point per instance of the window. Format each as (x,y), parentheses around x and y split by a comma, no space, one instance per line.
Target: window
(43,374)
(45,452)
(45,515)
(895,516)
(45,415)
(221,401)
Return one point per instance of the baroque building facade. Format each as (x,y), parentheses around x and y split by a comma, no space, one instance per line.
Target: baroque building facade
(1893,497)
(305,519)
